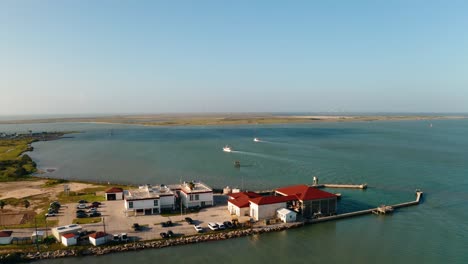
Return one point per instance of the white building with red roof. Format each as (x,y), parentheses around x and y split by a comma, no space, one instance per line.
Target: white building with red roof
(239,203)
(5,237)
(69,239)
(114,193)
(265,207)
(98,238)
(310,200)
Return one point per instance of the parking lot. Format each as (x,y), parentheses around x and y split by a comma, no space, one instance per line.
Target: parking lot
(115,221)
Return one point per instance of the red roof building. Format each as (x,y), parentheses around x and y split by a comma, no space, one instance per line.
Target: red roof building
(272,199)
(114,190)
(311,202)
(70,235)
(98,235)
(5,233)
(305,193)
(114,193)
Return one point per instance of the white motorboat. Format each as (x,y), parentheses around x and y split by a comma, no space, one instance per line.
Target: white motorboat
(256,140)
(227,148)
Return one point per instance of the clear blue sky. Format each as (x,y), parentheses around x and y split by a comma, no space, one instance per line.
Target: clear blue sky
(66,57)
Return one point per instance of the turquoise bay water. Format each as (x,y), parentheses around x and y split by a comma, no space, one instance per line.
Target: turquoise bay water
(394,158)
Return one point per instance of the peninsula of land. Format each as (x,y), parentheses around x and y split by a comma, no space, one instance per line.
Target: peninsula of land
(227,119)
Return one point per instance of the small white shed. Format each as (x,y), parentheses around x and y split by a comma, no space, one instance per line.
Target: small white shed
(5,237)
(286,215)
(69,239)
(98,238)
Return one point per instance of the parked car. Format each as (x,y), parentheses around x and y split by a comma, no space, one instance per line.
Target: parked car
(170,233)
(94,214)
(96,203)
(80,211)
(123,237)
(221,226)
(50,214)
(93,206)
(228,224)
(167,224)
(116,238)
(213,226)
(81,206)
(52,211)
(163,235)
(81,215)
(198,228)
(92,210)
(55,205)
(136,227)
(82,201)
(189,220)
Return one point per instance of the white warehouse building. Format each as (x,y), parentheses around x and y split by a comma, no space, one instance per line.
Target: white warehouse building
(147,200)
(196,194)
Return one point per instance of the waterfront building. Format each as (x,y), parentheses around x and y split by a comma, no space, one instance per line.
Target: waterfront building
(5,237)
(239,203)
(69,239)
(148,199)
(196,194)
(286,215)
(265,207)
(310,200)
(114,193)
(68,229)
(98,238)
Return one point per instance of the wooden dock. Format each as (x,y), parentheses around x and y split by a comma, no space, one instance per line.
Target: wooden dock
(368,211)
(345,186)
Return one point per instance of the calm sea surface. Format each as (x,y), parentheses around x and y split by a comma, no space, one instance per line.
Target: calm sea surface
(393,158)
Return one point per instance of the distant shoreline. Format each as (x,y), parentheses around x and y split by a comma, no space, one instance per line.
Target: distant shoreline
(227,119)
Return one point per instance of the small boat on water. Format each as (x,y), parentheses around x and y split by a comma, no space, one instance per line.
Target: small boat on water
(227,148)
(256,140)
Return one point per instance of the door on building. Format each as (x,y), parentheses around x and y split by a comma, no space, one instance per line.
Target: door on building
(148,211)
(111,197)
(203,204)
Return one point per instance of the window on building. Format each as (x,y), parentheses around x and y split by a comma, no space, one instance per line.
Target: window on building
(156,202)
(130,204)
(191,197)
(197,197)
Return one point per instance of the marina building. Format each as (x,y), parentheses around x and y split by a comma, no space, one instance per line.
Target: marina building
(196,194)
(310,201)
(239,203)
(265,207)
(148,199)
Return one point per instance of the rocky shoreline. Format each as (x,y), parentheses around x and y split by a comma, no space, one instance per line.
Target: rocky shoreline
(102,250)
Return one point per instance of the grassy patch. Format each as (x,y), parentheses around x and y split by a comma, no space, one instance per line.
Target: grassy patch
(88,194)
(53,182)
(89,220)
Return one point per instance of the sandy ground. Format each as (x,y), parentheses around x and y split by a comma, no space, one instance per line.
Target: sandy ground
(22,189)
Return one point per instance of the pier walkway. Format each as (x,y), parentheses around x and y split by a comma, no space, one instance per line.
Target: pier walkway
(367,211)
(346,186)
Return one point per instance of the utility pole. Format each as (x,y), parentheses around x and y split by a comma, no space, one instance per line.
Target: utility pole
(35,225)
(104,224)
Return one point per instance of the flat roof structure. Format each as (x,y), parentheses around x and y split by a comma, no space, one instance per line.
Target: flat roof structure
(148,192)
(195,187)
